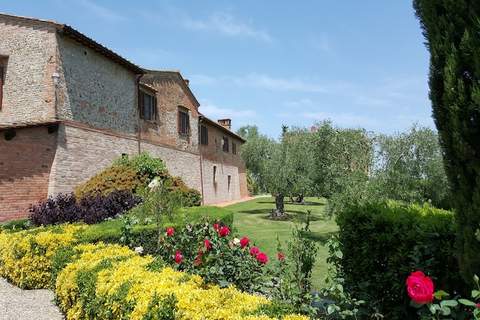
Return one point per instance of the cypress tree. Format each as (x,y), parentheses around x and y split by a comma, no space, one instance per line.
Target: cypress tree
(452,32)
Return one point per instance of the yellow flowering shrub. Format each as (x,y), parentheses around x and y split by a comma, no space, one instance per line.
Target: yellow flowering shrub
(106,281)
(25,256)
(113,281)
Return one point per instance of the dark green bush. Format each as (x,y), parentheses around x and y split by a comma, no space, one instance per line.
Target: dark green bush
(383,242)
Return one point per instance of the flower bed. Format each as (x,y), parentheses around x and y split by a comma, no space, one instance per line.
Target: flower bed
(113,282)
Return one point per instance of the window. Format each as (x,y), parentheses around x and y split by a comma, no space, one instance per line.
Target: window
(229,181)
(225,144)
(183,122)
(203,135)
(214,174)
(3,72)
(148,105)
(234,148)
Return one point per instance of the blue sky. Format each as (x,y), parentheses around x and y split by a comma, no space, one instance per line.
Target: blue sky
(358,63)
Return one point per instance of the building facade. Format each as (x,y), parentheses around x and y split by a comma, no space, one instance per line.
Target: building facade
(69,107)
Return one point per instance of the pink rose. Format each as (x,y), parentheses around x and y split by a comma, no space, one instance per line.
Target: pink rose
(420,288)
(254,251)
(216,226)
(262,258)
(244,242)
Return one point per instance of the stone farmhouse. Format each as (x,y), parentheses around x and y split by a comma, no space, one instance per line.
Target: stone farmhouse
(69,106)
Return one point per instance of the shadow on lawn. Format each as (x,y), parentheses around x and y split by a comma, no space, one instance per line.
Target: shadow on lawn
(321,237)
(295,215)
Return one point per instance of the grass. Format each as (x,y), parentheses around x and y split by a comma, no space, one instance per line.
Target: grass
(251,219)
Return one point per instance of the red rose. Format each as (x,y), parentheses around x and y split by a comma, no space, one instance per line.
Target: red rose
(244,242)
(207,244)
(216,226)
(178,257)
(420,288)
(477,305)
(254,251)
(170,231)
(224,231)
(280,256)
(262,258)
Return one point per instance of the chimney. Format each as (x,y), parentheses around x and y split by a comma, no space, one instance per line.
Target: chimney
(226,123)
(187,82)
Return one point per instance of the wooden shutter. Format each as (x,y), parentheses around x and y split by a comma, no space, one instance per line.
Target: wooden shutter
(141,104)
(2,73)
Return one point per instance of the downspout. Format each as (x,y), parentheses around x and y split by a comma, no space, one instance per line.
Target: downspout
(201,162)
(139,122)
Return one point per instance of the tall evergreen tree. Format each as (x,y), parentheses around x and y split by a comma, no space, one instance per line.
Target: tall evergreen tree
(452,32)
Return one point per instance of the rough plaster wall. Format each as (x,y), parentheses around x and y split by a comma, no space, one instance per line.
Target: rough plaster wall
(83,153)
(179,163)
(25,163)
(28,90)
(95,90)
(218,190)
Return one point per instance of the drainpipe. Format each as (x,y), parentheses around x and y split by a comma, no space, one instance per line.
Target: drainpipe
(139,122)
(201,162)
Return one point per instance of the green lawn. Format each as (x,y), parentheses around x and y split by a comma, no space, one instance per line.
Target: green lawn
(250,218)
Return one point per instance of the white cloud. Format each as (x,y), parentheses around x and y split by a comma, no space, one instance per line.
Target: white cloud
(226,24)
(262,81)
(215,112)
(101,11)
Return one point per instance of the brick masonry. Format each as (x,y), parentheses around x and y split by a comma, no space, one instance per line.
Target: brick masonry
(95,100)
(25,163)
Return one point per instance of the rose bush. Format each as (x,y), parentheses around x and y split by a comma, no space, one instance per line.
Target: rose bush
(210,250)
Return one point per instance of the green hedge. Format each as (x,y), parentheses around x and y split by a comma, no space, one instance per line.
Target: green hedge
(383,242)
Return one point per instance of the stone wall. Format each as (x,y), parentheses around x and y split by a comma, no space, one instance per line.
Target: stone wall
(95,90)
(172,93)
(30,48)
(25,163)
(226,163)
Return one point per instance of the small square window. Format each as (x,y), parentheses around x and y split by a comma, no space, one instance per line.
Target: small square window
(225,144)
(203,135)
(183,122)
(148,105)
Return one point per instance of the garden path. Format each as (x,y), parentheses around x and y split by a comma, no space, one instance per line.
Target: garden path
(18,304)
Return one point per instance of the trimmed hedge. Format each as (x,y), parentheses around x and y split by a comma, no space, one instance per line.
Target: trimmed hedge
(383,242)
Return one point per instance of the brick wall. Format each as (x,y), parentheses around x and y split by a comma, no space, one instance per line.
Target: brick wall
(95,90)
(25,163)
(31,51)
(82,152)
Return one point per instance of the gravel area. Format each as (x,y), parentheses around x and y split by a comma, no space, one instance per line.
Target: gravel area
(18,304)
